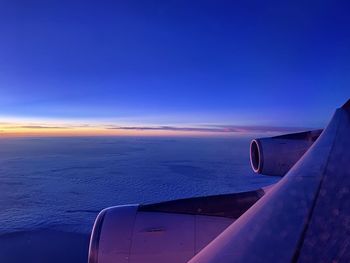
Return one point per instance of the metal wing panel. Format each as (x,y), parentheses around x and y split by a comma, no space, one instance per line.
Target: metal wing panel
(224,205)
(327,236)
(272,229)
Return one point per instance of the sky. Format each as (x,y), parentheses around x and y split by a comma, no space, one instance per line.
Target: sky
(171,67)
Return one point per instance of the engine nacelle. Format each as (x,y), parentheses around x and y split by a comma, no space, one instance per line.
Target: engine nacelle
(172,231)
(276,155)
(124,234)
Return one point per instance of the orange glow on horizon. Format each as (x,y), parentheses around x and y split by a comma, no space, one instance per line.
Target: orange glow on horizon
(45,130)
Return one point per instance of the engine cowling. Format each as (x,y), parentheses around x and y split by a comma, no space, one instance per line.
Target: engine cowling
(276,155)
(172,231)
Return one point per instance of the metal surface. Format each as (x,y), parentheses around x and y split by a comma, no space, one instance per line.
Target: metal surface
(305,217)
(226,205)
(276,155)
(171,232)
(122,234)
(112,235)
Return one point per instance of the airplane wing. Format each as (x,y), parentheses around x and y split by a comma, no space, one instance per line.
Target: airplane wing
(305,217)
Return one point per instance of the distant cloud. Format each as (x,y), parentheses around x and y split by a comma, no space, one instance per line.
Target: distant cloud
(213,128)
(258,128)
(165,128)
(107,129)
(41,127)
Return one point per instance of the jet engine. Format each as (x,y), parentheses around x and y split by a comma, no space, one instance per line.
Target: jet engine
(171,232)
(276,155)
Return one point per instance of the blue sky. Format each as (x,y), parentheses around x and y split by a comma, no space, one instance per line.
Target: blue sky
(278,63)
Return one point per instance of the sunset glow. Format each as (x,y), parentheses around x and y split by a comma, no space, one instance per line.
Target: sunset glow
(168,68)
(47,129)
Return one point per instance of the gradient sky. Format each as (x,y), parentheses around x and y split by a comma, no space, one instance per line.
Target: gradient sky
(172,63)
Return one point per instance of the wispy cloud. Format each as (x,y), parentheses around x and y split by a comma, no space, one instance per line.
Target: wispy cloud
(213,128)
(111,129)
(259,128)
(41,127)
(164,128)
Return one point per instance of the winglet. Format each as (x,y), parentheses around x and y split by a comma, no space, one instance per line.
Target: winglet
(346,106)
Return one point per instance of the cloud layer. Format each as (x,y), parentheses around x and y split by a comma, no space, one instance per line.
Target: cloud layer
(113,129)
(213,128)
